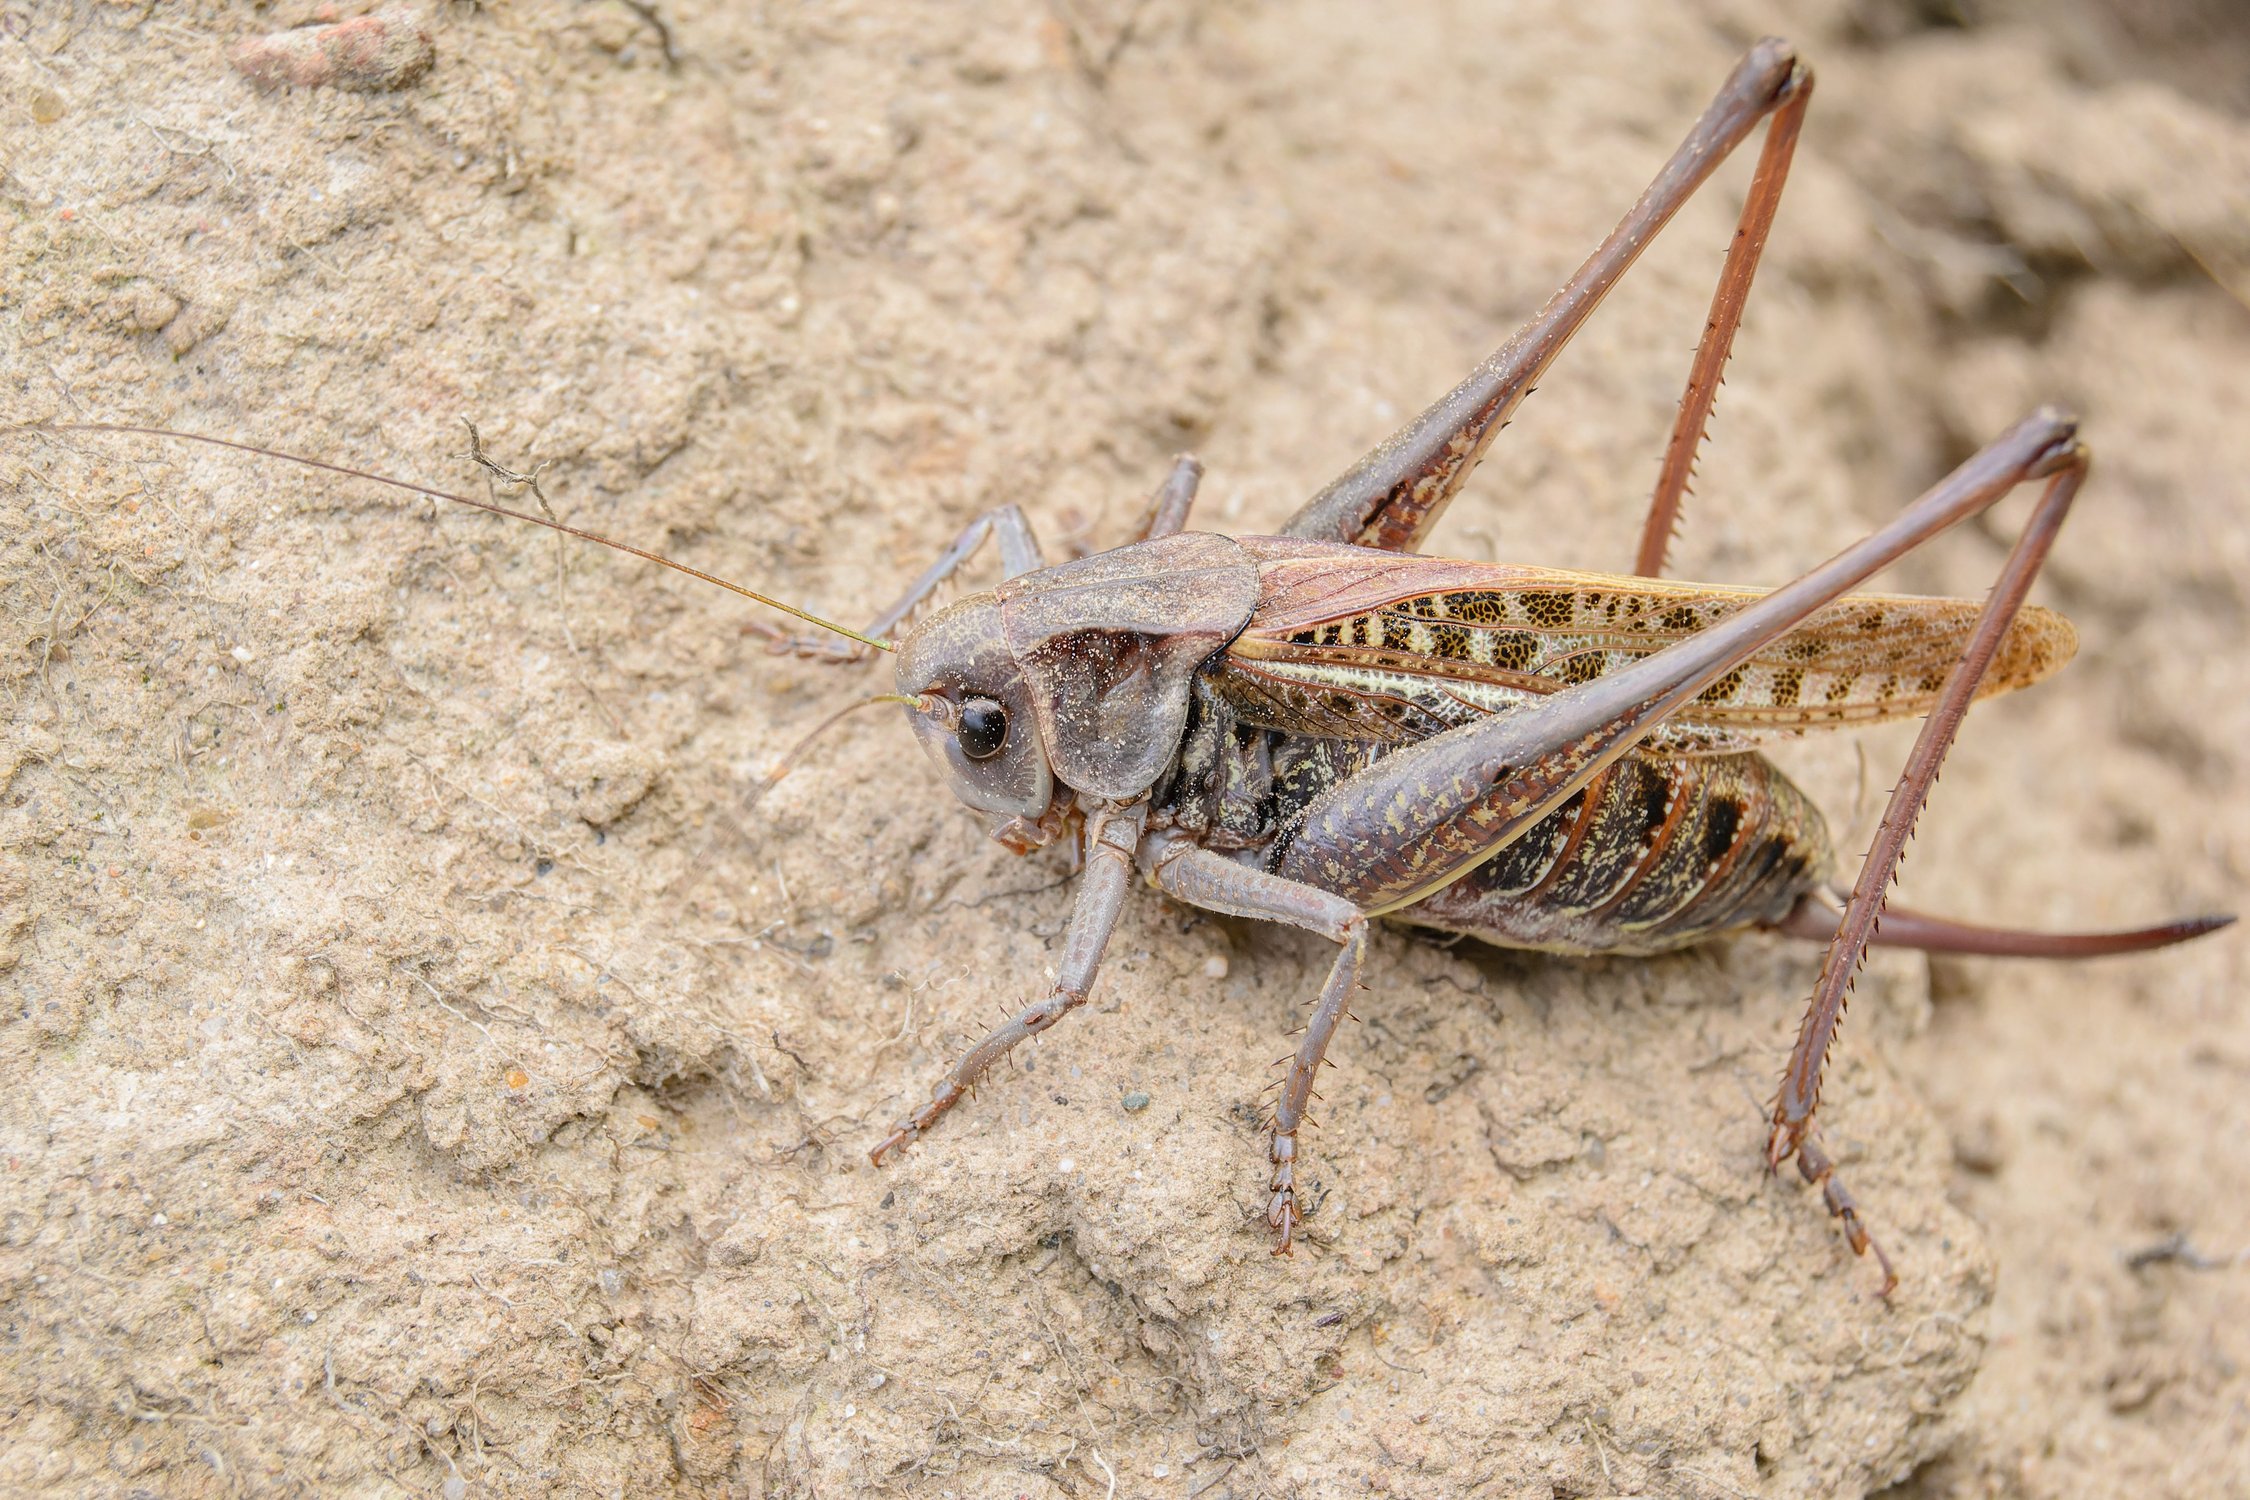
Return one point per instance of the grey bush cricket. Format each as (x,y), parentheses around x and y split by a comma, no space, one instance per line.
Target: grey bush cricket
(1325,726)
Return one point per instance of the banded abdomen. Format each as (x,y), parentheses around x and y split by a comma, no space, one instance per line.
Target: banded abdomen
(1658,852)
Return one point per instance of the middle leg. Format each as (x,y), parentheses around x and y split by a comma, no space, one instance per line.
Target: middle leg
(1168,508)
(1215,883)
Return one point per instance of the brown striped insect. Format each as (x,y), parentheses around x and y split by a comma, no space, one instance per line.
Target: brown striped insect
(1324,727)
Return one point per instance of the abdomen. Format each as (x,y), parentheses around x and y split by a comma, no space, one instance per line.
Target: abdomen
(1658,852)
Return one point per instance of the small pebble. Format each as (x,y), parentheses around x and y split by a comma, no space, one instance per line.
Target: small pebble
(1982,1146)
(1215,967)
(1135,1102)
(456,1488)
(370,54)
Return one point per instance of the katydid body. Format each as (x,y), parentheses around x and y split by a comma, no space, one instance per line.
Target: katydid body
(1320,733)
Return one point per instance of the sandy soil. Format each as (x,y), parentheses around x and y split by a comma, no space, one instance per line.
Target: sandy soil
(412,1087)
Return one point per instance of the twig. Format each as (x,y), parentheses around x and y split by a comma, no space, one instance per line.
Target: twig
(655,23)
(497,473)
(2175,1247)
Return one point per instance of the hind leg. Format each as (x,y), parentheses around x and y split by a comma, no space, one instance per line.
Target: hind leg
(1393,496)
(1793,1132)
(1727,303)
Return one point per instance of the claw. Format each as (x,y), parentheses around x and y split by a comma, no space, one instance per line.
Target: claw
(893,1141)
(780,642)
(1890,1277)
(1283,1217)
(1818,1171)
(1781,1144)
(917,1124)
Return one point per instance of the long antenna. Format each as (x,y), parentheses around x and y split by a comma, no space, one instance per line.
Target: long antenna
(484,505)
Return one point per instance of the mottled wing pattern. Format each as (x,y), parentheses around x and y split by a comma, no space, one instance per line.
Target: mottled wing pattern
(1376,646)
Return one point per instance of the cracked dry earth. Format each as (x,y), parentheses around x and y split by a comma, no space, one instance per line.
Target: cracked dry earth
(412,1086)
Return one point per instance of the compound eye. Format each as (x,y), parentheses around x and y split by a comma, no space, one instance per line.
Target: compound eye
(984,728)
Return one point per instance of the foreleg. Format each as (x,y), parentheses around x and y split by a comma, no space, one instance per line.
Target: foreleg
(1111,839)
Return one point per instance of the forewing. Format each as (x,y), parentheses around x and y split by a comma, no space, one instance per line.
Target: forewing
(1366,645)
